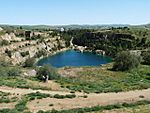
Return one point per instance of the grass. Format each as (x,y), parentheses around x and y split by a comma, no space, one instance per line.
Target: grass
(21,107)
(11,78)
(64,96)
(37,95)
(100,108)
(4,98)
(20,82)
(102,79)
(135,109)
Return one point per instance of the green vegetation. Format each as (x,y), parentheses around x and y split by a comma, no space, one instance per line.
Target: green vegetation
(10,71)
(4,98)
(8,52)
(11,76)
(100,108)
(126,61)
(64,96)
(20,107)
(128,74)
(111,40)
(47,72)
(4,42)
(23,54)
(20,82)
(4,62)
(146,57)
(34,37)
(103,79)
(41,53)
(37,95)
(30,62)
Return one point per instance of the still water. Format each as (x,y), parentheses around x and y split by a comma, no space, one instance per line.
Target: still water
(74,58)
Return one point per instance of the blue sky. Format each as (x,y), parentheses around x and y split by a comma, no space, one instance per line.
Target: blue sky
(60,12)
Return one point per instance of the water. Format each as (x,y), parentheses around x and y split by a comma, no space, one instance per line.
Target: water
(74,58)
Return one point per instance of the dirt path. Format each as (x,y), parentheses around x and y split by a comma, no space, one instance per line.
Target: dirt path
(79,102)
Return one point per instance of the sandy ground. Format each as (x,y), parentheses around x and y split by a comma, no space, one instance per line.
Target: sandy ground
(69,72)
(7,105)
(78,102)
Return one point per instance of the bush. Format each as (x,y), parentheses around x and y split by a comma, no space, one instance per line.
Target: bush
(21,106)
(4,62)
(47,72)
(4,42)
(146,57)
(126,61)
(41,53)
(9,53)
(14,72)
(37,95)
(64,96)
(23,54)
(30,62)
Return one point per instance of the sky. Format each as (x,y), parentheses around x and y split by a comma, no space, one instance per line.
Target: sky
(65,12)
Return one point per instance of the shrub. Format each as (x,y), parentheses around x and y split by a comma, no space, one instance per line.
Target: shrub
(126,61)
(64,96)
(23,54)
(146,57)
(21,106)
(4,62)
(29,62)
(38,95)
(14,72)
(47,72)
(9,53)
(4,42)
(41,53)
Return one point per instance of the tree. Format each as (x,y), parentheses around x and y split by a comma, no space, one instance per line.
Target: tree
(29,62)
(126,61)
(146,57)
(46,73)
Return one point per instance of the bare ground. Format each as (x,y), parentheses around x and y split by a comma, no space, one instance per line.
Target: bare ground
(78,102)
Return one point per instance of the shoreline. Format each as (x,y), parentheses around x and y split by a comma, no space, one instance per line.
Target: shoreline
(51,54)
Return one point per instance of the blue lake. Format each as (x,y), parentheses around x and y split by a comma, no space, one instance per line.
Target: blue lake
(74,58)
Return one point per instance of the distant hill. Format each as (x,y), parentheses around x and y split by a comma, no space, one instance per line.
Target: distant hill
(141,26)
(29,27)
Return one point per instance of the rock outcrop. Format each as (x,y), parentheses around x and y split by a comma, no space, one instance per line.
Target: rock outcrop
(18,50)
(1,29)
(10,37)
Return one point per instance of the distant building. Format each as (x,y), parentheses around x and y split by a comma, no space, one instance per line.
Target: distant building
(62,29)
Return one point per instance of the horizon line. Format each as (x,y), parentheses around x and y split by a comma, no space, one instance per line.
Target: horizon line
(8,24)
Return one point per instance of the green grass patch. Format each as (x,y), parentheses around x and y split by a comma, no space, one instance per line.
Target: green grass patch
(37,95)
(4,98)
(99,108)
(102,79)
(64,96)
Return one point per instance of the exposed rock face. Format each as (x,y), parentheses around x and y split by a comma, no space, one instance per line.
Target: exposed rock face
(136,52)
(49,45)
(100,52)
(17,46)
(10,37)
(1,29)
(18,49)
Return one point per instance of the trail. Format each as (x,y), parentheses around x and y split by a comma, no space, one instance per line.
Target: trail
(79,102)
